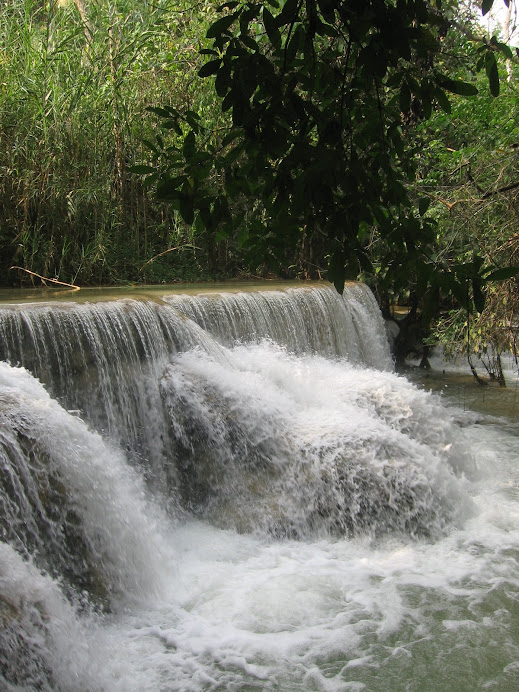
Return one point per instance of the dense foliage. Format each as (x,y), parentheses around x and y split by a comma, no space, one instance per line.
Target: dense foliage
(323,97)
(469,168)
(76,78)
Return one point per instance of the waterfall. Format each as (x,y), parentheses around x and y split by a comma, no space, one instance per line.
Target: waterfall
(168,382)
(105,359)
(156,453)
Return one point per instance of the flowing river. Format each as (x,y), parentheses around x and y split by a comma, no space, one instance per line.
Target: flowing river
(234,492)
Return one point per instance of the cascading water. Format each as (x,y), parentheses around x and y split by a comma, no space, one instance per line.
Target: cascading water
(234,492)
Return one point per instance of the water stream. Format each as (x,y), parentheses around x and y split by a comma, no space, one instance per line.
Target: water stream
(235,492)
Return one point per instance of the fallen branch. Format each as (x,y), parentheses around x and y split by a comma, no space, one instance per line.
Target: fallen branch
(165,252)
(44,279)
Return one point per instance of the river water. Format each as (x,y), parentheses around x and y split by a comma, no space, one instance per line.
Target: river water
(235,492)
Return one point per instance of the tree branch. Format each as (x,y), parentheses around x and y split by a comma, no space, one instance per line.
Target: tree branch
(45,278)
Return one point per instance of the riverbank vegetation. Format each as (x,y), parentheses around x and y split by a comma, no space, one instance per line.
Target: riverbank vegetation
(163,141)
(77,77)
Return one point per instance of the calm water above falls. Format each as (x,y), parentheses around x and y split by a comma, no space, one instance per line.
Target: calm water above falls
(235,492)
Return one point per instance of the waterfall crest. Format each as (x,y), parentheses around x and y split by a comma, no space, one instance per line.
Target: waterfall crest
(303,320)
(245,409)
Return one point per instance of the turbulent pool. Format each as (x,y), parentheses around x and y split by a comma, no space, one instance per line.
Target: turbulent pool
(235,492)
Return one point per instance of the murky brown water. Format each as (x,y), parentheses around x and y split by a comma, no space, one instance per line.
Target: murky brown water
(144,292)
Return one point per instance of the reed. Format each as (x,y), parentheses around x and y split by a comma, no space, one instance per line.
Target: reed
(76,78)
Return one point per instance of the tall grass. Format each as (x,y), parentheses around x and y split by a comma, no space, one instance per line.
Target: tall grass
(75,79)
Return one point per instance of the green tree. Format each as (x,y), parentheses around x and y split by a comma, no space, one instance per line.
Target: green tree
(469,169)
(322,97)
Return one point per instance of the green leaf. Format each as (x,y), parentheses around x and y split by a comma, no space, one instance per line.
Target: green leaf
(209,68)
(141,169)
(288,13)
(150,145)
(492,73)
(249,42)
(186,209)
(456,86)
(230,137)
(426,106)
(167,188)
(430,303)
(189,147)
(161,112)
(423,205)
(405,98)
(486,6)
(150,180)
(443,101)
(505,50)
(459,291)
(502,274)
(271,28)
(479,296)
(172,125)
(233,154)
(337,270)
(222,234)
(221,25)
(228,101)
(327,8)
(193,120)
(223,81)
(466,270)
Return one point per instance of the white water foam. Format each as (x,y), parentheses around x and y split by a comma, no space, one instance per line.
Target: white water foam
(304,446)
(248,614)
